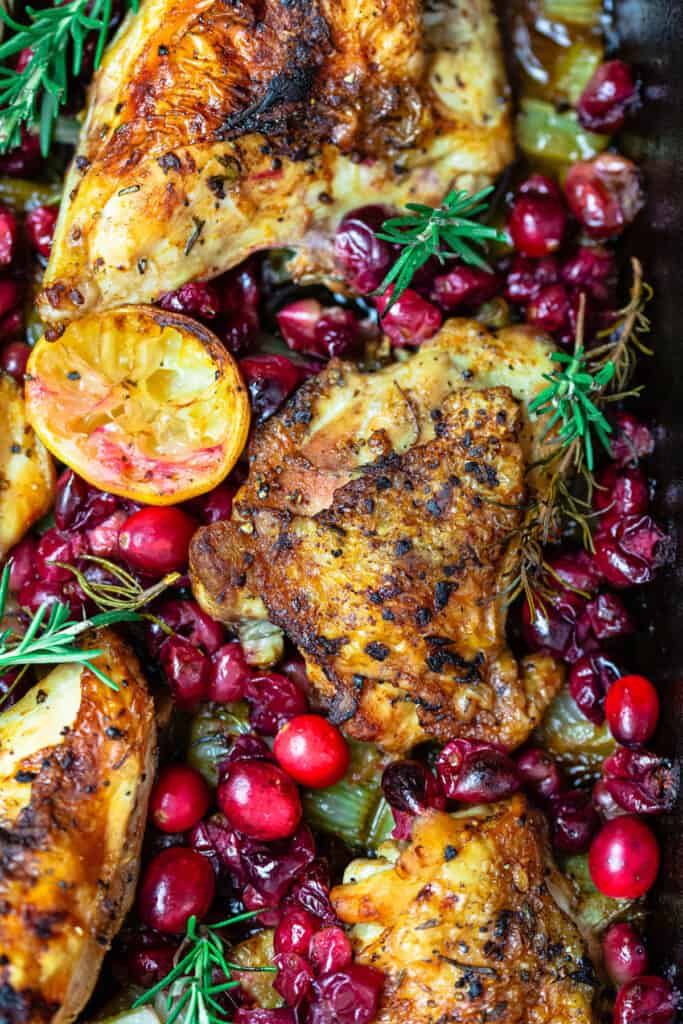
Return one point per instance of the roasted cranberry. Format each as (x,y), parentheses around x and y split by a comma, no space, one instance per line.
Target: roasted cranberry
(9,295)
(536,225)
(526,278)
(604,802)
(593,270)
(274,699)
(574,821)
(8,235)
(53,547)
(553,623)
(23,160)
(12,323)
(604,194)
(312,751)
(350,996)
(575,571)
(77,504)
(309,327)
(608,617)
(330,950)
(294,666)
(646,1000)
(259,799)
(13,359)
(589,680)
(410,321)
(624,858)
(214,506)
(549,310)
(150,964)
(540,185)
(619,493)
(363,258)
(179,799)
(240,298)
(260,1016)
(405,785)
(187,669)
(229,674)
(640,782)
(157,540)
(632,710)
(34,593)
(607,97)
(464,286)
(476,772)
(631,551)
(294,932)
(312,893)
(631,441)
(23,558)
(270,380)
(246,747)
(185,618)
(539,771)
(624,953)
(177,884)
(294,977)
(40,227)
(198,298)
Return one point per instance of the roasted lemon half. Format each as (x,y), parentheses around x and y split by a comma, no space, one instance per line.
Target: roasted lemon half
(141,402)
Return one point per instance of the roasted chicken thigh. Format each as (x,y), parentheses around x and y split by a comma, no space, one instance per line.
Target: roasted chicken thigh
(216,129)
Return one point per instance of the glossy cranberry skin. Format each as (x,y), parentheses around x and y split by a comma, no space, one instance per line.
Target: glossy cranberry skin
(629,553)
(240,298)
(187,669)
(632,710)
(604,194)
(410,321)
(180,797)
(475,772)
(540,773)
(198,298)
(23,557)
(157,540)
(540,185)
(294,932)
(270,380)
(549,310)
(607,97)
(149,964)
(624,953)
(525,278)
(464,286)
(274,699)
(259,1016)
(575,571)
(78,504)
(640,782)
(648,999)
(362,258)
(40,227)
(8,236)
(55,546)
(623,859)
(591,269)
(259,799)
(9,295)
(553,625)
(619,493)
(37,592)
(294,978)
(312,751)
(330,950)
(350,996)
(229,674)
(184,617)
(13,359)
(632,440)
(318,331)
(177,884)
(608,617)
(574,822)
(405,785)
(589,680)
(537,224)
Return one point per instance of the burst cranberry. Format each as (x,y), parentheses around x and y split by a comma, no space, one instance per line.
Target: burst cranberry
(350,996)
(240,298)
(575,571)
(157,540)
(294,977)
(362,258)
(259,799)
(275,699)
(214,506)
(270,380)
(464,286)
(187,669)
(179,799)
(9,295)
(549,310)
(628,555)
(259,1016)
(294,932)
(150,964)
(624,858)
(537,224)
(23,558)
(103,539)
(13,359)
(589,680)
(312,892)
(312,751)
(25,159)
(646,1000)
(624,953)
(604,194)
(187,619)
(405,785)
(604,802)
(294,666)
(608,617)
(330,950)
(632,710)
(574,822)
(55,547)
(315,330)
(78,504)
(410,321)
(640,782)
(539,771)
(526,278)
(198,298)
(268,869)
(620,493)
(8,235)
(540,185)
(607,97)
(593,270)
(229,674)
(40,227)
(631,441)
(475,772)
(177,884)
(34,593)
(553,625)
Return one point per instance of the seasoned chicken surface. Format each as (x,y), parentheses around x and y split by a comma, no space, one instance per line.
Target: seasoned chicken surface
(27,472)
(469,922)
(217,129)
(376,528)
(76,766)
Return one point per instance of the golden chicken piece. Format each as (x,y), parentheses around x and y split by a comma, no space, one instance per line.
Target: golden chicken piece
(214,130)
(27,472)
(76,766)
(376,528)
(470,922)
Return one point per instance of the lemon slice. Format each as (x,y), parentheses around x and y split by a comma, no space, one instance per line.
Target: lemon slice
(141,402)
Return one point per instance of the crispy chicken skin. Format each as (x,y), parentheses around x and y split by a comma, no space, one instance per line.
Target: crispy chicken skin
(375,529)
(214,130)
(466,924)
(76,765)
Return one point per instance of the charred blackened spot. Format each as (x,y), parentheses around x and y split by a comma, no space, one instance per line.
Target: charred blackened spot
(330,646)
(423,616)
(169,162)
(343,707)
(21,1006)
(287,88)
(498,1011)
(383,483)
(442,593)
(503,924)
(216,185)
(369,505)
(24,776)
(482,472)
(388,615)
(112,733)
(402,546)
(501,416)
(449,852)
(376,650)
(163,51)
(585,972)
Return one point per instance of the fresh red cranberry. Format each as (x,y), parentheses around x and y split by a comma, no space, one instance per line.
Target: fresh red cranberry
(406,786)
(631,440)
(631,551)
(604,194)
(474,772)
(13,359)
(283,1015)
(23,160)
(619,493)
(9,295)
(179,799)
(319,331)
(259,799)
(632,710)
(274,699)
(549,310)
(229,674)
(240,297)
(526,278)
(78,504)
(24,558)
(177,884)
(294,932)
(330,950)
(53,547)
(574,821)
(350,996)
(589,680)
(648,999)
(607,98)
(187,669)
(464,286)
(592,270)
(361,256)
(148,965)
(294,977)
(624,953)
(214,506)
(312,751)
(8,236)
(537,224)
(640,782)
(623,859)
(198,298)
(540,773)
(40,227)
(157,540)
(410,321)
(553,625)
(576,571)
(270,380)
(608,617)
(185,618)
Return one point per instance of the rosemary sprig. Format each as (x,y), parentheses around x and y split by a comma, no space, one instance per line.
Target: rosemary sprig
(33,94)
(445,231)
(122,592)
(190,985)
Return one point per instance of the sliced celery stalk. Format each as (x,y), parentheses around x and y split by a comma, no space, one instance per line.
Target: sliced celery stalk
(545,134)
(587,13)
(575,67)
